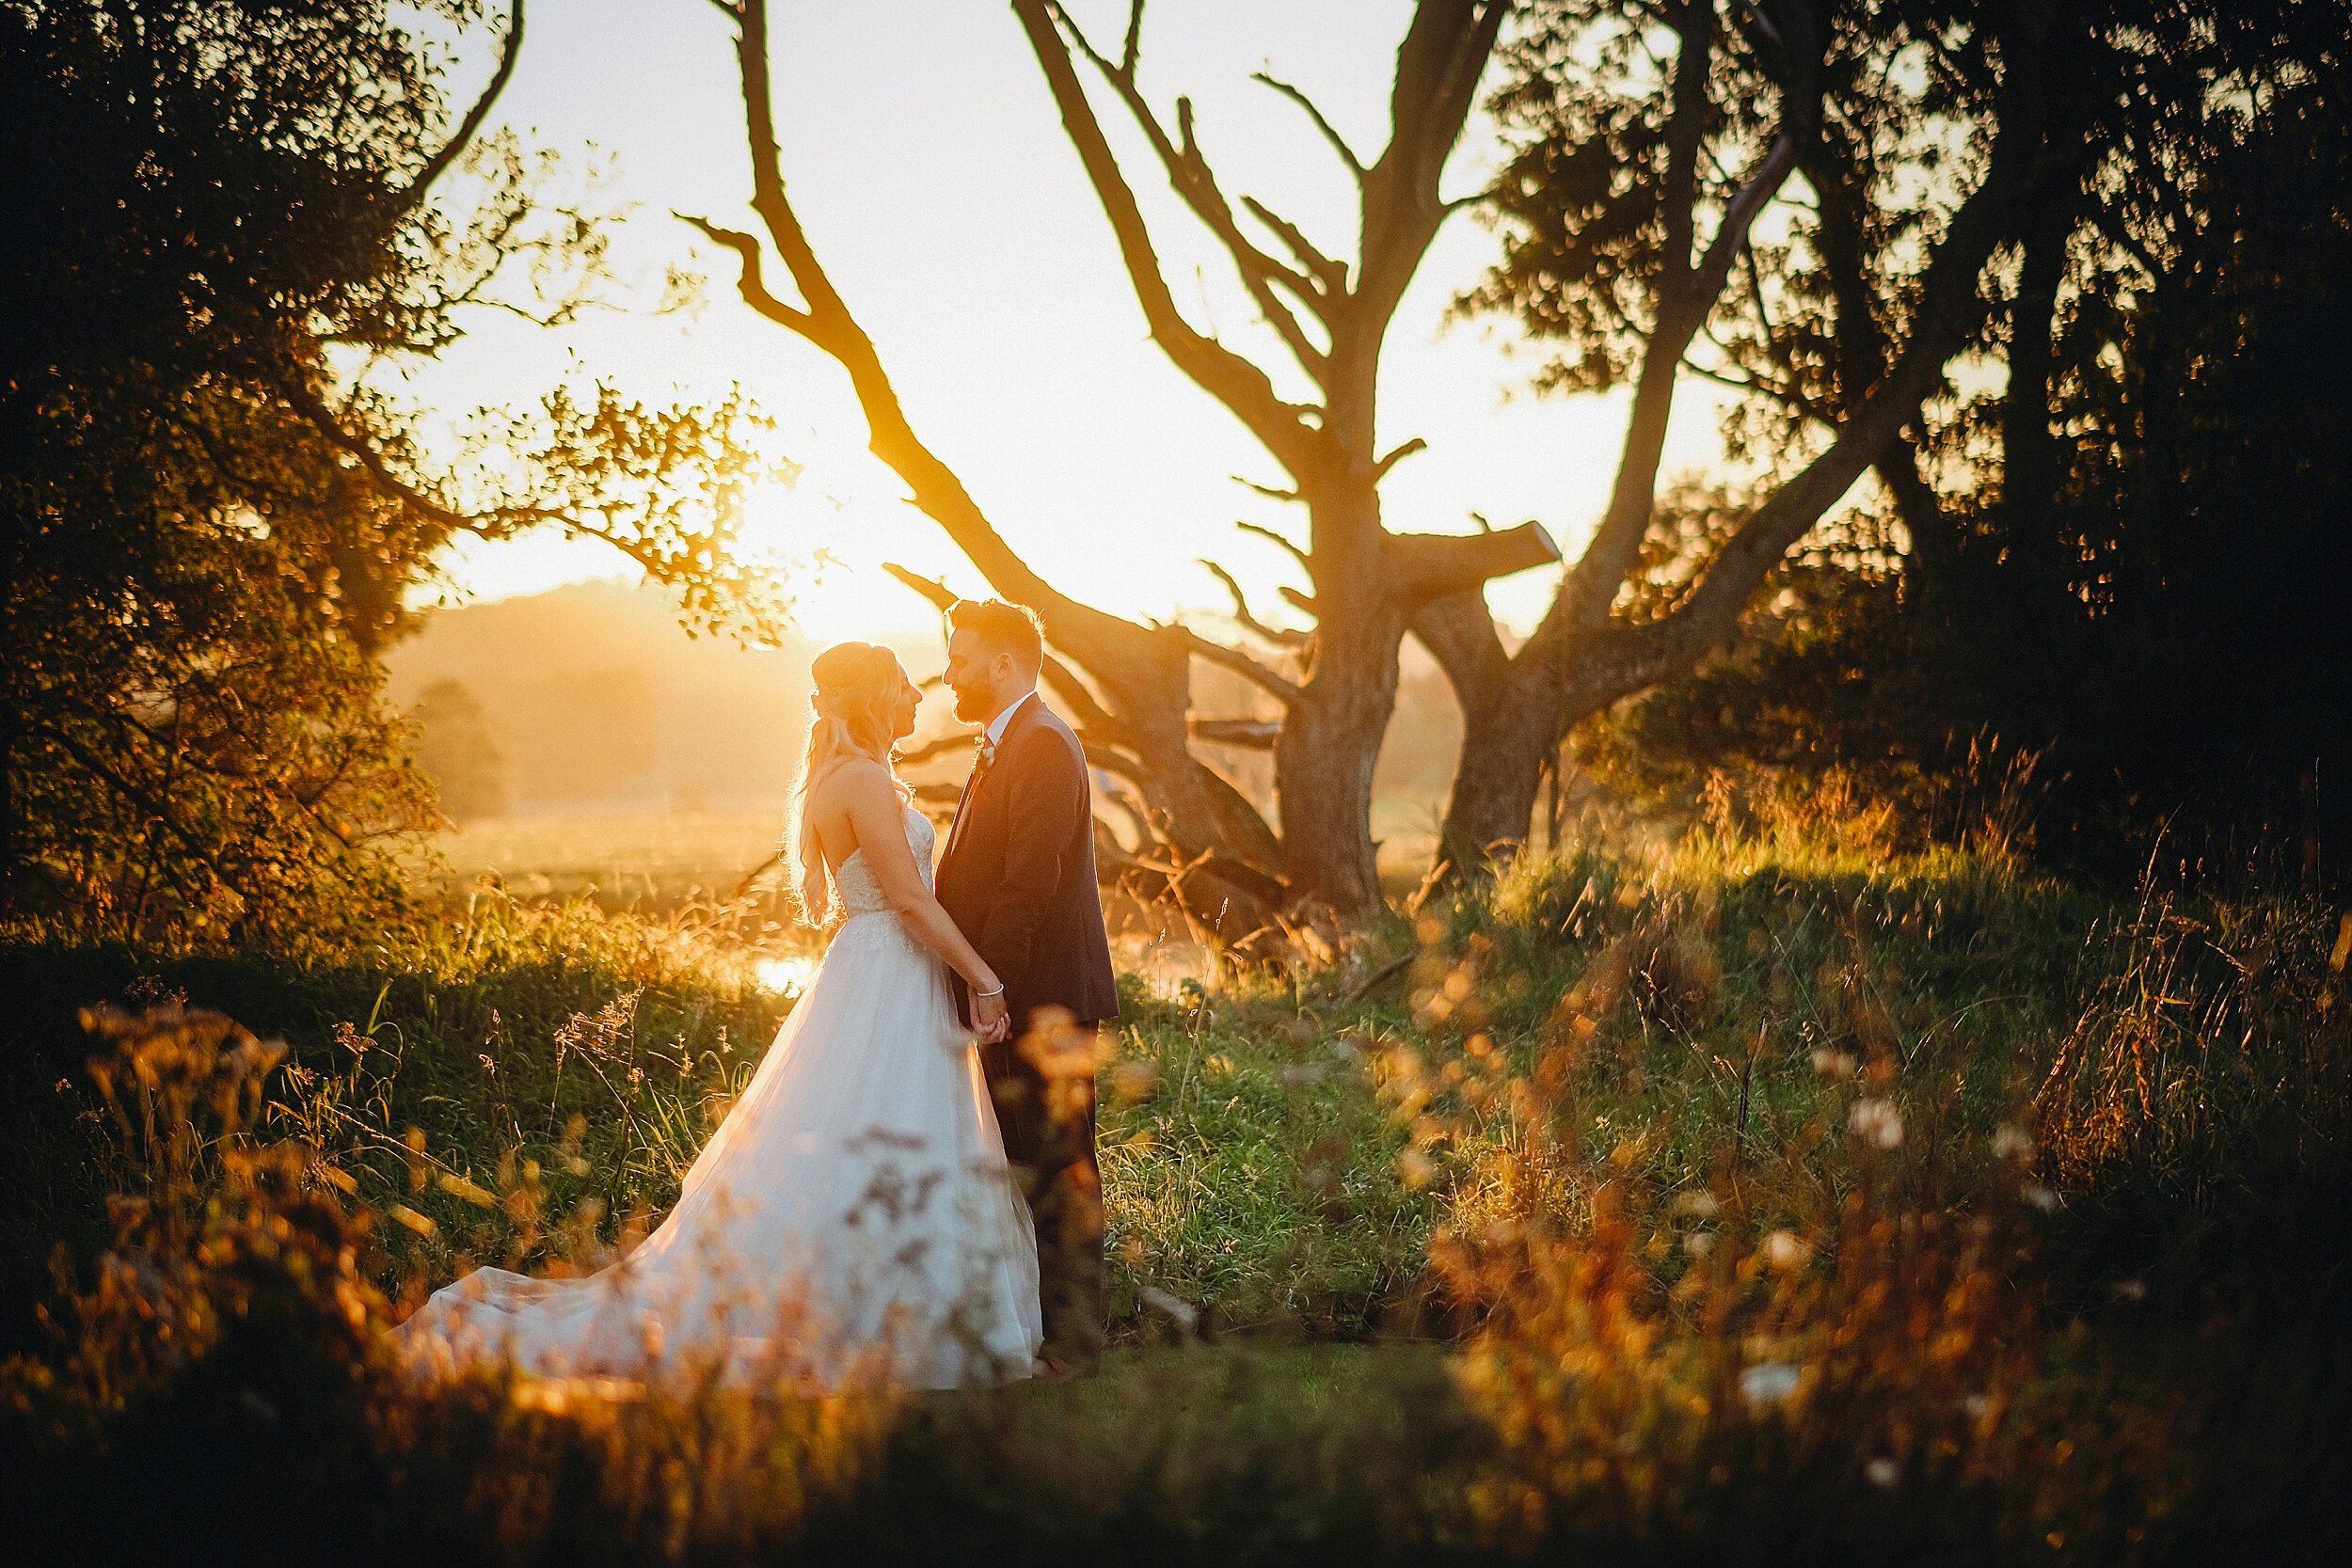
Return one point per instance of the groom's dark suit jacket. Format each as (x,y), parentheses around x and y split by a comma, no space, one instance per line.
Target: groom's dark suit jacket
(1018,877)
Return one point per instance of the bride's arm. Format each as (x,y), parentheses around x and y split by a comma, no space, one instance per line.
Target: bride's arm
(877,816)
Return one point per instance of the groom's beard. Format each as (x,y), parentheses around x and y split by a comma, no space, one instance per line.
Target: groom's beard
(972,707)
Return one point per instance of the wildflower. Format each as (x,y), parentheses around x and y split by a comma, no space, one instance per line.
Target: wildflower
(2011,1142)
(1702,1204)
(2040,1198)
(1180,1311)
(1876,1121)
(1699,1243)
(1832,1064)
(1781,1250)
(1768,1381)
(1132,1079)
(1883,1472)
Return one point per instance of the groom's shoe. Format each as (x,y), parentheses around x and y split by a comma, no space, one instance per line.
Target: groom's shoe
(1048,1368)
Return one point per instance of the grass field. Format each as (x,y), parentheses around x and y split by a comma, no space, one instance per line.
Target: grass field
(654,861)
(1762,1201)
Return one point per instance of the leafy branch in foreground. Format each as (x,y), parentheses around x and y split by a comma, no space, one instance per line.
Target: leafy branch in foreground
(212,508)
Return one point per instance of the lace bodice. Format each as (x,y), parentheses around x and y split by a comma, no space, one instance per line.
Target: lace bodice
(860,892)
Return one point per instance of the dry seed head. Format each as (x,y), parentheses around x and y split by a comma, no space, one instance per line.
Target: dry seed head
(1877,1122)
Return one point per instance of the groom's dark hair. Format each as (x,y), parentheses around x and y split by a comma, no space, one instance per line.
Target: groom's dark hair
(1012,628)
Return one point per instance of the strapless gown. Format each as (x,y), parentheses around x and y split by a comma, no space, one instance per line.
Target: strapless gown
(852,1217)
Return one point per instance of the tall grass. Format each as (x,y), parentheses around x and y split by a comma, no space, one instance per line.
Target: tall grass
(1755,1196)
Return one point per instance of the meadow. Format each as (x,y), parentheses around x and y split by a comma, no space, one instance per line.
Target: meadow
(1761,1196)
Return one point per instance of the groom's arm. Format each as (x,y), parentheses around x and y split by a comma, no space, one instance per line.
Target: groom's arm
(1049,795)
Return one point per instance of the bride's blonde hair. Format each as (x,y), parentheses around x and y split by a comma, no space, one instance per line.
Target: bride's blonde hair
(857,687)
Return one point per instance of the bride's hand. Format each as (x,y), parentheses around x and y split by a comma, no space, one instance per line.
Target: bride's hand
(990,1018)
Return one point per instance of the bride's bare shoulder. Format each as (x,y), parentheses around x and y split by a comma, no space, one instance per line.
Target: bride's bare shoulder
(860,781)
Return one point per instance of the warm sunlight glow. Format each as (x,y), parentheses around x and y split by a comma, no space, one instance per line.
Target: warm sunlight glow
(995,293)
(777,976)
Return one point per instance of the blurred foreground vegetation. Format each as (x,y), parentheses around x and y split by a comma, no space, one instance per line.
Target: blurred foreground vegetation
(1764,1197)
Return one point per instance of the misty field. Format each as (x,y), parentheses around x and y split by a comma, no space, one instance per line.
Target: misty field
(1754,1199)
(658,861)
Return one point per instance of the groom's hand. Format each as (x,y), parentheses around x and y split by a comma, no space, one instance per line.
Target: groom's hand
(990,1017)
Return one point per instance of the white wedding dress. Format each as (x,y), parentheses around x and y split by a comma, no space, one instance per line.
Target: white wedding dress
(852,1217)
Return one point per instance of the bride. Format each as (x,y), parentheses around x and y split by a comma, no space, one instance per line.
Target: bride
(854,1215)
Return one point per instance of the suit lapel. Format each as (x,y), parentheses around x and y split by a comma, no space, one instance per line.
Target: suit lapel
(968,802)
(964,809)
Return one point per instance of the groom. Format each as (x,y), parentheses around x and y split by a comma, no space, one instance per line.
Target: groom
(1018,879)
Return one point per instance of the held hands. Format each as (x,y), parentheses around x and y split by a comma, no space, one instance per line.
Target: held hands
(990,1018)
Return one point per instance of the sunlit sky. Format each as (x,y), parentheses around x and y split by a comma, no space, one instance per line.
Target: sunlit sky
(925,159)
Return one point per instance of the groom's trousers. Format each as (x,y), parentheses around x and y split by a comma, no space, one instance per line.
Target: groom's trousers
(1044,1088)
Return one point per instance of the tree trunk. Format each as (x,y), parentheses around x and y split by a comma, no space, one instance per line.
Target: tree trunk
(1329,745)
(1507,739)
(2029,453)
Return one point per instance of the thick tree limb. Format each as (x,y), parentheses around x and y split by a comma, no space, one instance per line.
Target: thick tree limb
(1256,734)
(938,747)
(1685,297)
(1432,565)
(1950,306)
(1281,427)
(1189,174)
(1093,719)
(1459,632)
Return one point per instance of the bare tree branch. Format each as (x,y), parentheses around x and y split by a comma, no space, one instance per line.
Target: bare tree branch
(1296,554)
(1624,659)
(1380,469)
(1281,427)
(1271,491)
(1330,133)
(1249,623)
(938,747)
(1189,173)
(940,594)
(1240,664)
(1331,275)
(749,283)
(471,125)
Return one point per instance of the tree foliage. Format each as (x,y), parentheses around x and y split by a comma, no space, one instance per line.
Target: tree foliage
(220,244)
(2125,554)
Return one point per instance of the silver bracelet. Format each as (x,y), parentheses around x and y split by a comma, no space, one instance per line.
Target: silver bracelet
(984,995)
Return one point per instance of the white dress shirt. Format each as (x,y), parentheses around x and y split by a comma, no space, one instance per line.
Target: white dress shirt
(996,726)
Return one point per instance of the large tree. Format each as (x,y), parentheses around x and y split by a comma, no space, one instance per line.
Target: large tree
(223,221)
(1127,685)
(2126,552)
(1648,140)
